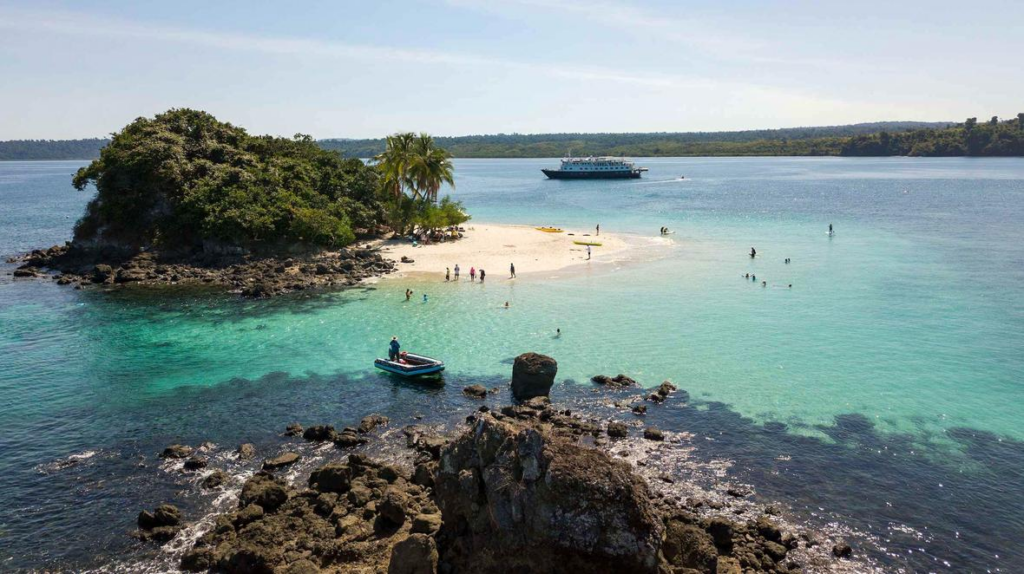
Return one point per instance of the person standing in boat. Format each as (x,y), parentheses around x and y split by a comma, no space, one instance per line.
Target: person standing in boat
(394,349)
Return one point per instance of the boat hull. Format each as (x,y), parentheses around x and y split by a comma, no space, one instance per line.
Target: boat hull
(562,174)
(417,367)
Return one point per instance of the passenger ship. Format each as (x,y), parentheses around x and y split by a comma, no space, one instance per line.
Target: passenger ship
(595,168)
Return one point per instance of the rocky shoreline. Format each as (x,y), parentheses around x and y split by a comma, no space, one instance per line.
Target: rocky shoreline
(246,274)
(528,487)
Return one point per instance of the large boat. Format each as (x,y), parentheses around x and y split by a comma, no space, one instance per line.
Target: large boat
(595,168)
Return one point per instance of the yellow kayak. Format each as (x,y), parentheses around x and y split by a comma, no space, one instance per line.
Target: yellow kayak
(592,243)
(550,229)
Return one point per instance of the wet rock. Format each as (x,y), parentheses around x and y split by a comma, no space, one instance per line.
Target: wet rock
(349,438)
(161,525)
(651,433)
(842,550)
(370,422)
(319,433)
(618,381)
(617,430)
(294,429)
(665,388)
(215,479)
(265,490)
(639,409)
(281,461)
(721,531)
(475,391)
(177,451)
(196,463)
(417,554)
(246,451)
(533,375)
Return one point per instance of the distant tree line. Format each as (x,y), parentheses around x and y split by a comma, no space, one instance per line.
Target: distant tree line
(51,149)
(994,137)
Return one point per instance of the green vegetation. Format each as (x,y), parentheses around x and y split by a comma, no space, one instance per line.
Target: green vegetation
(993,138)
(23,150)
(793,141)
(412,170)
(183,178)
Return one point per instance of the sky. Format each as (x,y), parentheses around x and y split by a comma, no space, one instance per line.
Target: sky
(456,67)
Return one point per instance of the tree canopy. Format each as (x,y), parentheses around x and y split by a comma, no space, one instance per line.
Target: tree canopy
(989,139)
(183,177)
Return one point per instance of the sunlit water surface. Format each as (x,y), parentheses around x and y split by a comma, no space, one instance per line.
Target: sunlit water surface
(887,378)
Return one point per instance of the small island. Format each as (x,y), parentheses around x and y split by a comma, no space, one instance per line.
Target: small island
(183,198)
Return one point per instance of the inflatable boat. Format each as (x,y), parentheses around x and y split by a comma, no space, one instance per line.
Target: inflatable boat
(410,365)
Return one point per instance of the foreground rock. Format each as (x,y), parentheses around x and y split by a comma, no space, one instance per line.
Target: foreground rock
(250,274)
(161,525)
(533,375)
(616,381)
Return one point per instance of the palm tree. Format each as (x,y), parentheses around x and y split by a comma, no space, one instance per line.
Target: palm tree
(429,168)
(394,163)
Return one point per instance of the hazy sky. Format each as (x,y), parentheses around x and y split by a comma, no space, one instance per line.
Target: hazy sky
(452,67)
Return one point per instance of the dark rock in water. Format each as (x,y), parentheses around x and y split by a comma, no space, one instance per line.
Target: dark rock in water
(281,461)
(842,550)
(639,409)
(417,554)
(523,499)
(26,272)
(687,546)
(176,451)
(617,430)
(349,438)
(475,391)
(370,422)
(164,515)
(215,479)
(161,525)
(738,492)
(265,490)
(196,463)
(651,433)
(319,433)
(533,375)
(294,429)
(246,451)
(665,388)
(617,381)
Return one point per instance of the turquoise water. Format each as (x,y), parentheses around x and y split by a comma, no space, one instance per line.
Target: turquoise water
(907,322)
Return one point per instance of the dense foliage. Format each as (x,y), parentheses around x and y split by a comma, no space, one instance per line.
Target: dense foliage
(413,169)
(791,141)
(991,138)
(15,150)
(184,178)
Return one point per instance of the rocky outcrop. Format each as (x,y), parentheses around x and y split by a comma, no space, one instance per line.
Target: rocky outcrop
(281,461)
(161,525)
(517,497)
(234,270)
(617,381)
(356,516)
(177,451)
(533,375)
(475,391)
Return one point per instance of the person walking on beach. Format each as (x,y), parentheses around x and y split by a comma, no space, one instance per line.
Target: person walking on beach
(456,271)
(408,293)
(598,229)
(472,274)
(393,349)
(512,270)
(588,253)
(482,274)
(447,274)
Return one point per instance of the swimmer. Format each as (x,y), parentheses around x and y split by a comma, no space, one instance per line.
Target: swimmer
(558,333)
(764,284)
(753,252)
(506,304)
(424,297)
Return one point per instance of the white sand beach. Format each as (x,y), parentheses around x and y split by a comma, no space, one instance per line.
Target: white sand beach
(493,247)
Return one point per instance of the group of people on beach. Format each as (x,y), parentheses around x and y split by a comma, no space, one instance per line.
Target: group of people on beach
(473,273)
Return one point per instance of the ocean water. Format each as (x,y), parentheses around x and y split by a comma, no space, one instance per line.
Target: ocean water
(882,390)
